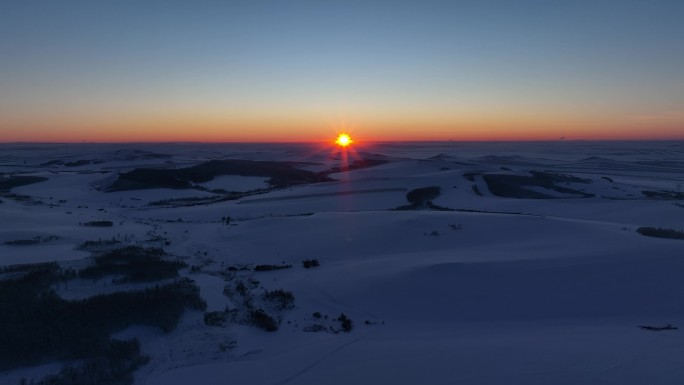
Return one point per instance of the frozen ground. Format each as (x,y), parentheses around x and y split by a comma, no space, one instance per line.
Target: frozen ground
(497,290)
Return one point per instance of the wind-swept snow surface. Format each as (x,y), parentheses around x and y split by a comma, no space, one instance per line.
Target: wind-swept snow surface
(526,268)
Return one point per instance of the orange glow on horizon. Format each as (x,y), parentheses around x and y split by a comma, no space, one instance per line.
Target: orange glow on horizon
(194,129)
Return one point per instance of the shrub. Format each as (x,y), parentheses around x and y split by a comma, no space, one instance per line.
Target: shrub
(215,318)
(345,323)
(98,224)
(315,328)
(664,194)
(309,263)
(96,245)
(22,242)
(661,233)
(284,299)
(32,241)
(271,267)
(262,320)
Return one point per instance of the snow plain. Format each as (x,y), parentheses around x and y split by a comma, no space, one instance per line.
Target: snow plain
(498,290)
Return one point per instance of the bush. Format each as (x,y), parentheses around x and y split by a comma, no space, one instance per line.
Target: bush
(215,318)
(661,233)
(671,195)
(262,320)
(309,263)
(32,241)
(345,322)
(284,299)
(315,328)
(97,245)
(271,267)
(98,224)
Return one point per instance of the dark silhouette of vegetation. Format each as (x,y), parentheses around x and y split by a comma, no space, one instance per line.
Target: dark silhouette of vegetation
(98,224)
(315,328)
(421,198)
(98,245)
(32,241)
(187,201)
(271,267)
(665,195)
(658,328)
(280,173)
(135,264)
(53,162)
(215,318)
(346,323)
(83,162)
(661,233)
(310,263)
(20,198)
(38,326)
(281,298)
(260,319)
(551,177)
(513,186)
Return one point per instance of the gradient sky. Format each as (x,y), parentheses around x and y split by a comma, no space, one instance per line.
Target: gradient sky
(289,70)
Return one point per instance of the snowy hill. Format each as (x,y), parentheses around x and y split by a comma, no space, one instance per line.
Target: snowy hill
(527,268)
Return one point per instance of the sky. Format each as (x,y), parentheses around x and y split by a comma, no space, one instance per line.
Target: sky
(289,70)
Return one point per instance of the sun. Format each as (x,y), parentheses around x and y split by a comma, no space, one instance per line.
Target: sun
(344,140)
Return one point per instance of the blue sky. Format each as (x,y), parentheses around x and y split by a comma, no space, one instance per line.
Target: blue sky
(389,69)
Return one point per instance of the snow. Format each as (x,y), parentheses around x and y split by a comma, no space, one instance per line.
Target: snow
(501,290)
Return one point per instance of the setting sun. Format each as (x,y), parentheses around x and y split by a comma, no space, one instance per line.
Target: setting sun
(344,140)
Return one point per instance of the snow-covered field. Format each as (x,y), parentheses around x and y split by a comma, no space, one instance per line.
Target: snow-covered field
(481,287)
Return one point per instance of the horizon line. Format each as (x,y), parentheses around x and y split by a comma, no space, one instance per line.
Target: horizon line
(364,141)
